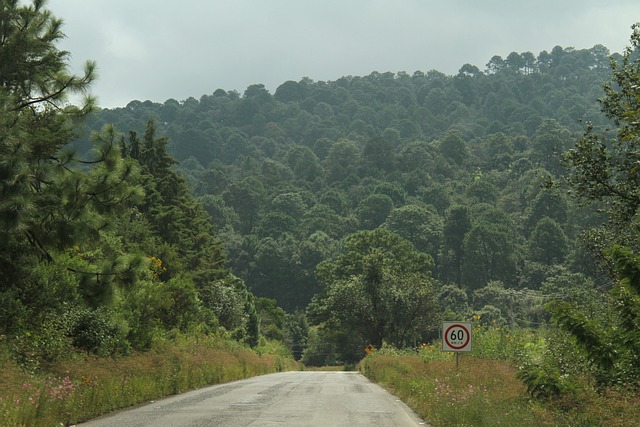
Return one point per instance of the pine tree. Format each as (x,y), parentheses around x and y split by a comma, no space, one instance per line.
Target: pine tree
(51,200)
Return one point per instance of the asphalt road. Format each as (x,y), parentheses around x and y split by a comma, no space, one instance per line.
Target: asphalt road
(289,399)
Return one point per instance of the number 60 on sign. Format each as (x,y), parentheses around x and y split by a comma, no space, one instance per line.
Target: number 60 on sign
(456,336)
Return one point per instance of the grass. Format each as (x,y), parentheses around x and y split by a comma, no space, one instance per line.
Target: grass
(485,392)
(85,387)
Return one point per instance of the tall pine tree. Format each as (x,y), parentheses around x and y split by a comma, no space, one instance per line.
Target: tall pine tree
(51,200)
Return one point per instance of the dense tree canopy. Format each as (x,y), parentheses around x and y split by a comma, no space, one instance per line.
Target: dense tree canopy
(374,198)
(421,155)
(378,288)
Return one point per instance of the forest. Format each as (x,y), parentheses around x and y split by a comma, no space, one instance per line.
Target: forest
(329,215)
(447,187)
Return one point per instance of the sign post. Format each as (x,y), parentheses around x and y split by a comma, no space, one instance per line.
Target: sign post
(456,337)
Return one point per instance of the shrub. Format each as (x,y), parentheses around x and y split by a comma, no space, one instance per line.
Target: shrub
(96,332)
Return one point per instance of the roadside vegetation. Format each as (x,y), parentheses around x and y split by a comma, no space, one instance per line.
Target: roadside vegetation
(154,248)
(487,389)
(83,387)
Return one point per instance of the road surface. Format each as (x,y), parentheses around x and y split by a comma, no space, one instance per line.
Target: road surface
(289,399)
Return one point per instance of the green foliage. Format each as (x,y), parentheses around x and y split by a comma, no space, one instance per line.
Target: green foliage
(87,387)
(542,383)
(607,330)
(97,332)
(587,333)
(350,195)
(373,211)
(416,154)
(59,255)
(378,289)
(490,254)
(548,243)
(612,350)
(297,334)
(321,350)
(454,302)
(602,166)
(272,319)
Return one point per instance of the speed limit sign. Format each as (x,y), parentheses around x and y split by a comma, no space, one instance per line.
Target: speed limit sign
(456,336)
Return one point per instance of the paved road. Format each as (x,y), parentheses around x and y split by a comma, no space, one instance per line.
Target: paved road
(289,399)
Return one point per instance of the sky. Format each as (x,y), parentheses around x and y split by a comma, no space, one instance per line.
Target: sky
(158,50)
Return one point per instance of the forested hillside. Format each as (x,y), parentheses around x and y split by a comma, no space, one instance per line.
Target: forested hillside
(466,168)
(368,207)
(186,243)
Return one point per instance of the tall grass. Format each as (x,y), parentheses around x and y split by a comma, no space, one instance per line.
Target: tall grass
(484,389)
(478,393)
(83,388)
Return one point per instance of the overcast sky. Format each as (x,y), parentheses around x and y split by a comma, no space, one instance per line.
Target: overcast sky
(156,50)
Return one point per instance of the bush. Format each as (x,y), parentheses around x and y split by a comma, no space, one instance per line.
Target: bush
(96,332)
(541,381)
(493,341)
(47,341)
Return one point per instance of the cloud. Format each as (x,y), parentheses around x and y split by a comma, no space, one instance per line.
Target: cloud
(159,50)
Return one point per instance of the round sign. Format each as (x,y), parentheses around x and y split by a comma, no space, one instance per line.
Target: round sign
(457,336)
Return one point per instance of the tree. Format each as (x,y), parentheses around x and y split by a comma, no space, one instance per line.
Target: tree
(454,148)
(378,155)
(419,225)
(296,333)
(548,203)
(453,301)
(374,210)
(175,215)
(609,336)
(489,254)
(275,273)
(245,197)
(340,160)
(414,156)
(315,249)
(221,215)
(51,199)
(495,64)
(60,256)
(498,150)
(379,287)
(529,62)
(457,224)
(380,306)
(602,170)
(290,204)
(304,163)
(515,62)
(550,142)
(548,243)
(290,91)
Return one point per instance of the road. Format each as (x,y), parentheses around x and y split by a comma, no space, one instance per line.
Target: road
(288,399)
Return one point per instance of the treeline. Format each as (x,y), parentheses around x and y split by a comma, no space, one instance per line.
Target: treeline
(465,168)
